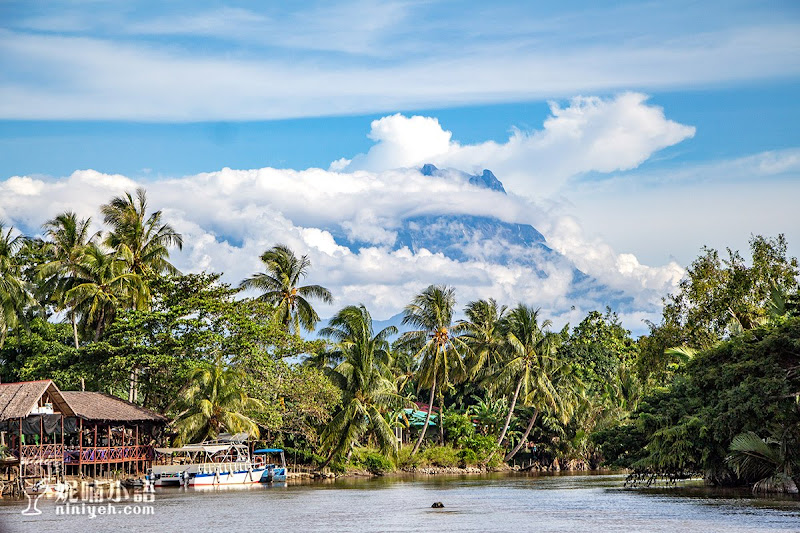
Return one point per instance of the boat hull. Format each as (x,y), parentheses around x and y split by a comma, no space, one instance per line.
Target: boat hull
(240,477)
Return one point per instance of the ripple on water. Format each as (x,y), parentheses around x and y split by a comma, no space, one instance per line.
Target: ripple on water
(562,503)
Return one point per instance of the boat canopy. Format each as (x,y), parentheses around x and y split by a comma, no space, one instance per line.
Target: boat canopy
(268,450)
(194,448)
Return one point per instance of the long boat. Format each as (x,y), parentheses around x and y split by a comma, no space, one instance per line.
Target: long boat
(219,462)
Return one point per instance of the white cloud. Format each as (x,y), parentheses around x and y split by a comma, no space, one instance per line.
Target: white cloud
(591,134)
(228,218)
(218,65)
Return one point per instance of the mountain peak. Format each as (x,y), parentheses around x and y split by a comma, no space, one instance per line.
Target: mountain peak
(428,169)
(487,180)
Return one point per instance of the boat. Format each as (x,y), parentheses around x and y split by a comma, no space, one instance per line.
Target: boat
(272,472)
(224,461)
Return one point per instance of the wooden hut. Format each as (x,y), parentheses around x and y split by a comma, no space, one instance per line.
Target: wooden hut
(75,433)
(32,419)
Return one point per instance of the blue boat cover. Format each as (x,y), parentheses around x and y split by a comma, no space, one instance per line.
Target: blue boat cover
(268,450)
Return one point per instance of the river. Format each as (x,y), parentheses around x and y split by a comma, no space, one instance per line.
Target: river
(518,503)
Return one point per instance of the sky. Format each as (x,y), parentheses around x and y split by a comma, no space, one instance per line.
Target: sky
(630,134)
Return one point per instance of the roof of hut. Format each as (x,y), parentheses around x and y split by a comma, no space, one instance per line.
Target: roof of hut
(103,407)
(18,400)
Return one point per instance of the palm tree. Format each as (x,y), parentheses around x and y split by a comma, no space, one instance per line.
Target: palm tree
(527,348)
(106,285)
(482,334)
(69,238)
(13,294)
(558,395)
(143,240)
(767,462)
(279,283)
(214,402)
(363,377)
(436,344)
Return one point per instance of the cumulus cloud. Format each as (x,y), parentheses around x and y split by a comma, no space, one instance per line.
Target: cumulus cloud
(228,218)
(348,218)
(590,134)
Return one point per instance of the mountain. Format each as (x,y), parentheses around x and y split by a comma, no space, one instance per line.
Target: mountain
(465,237)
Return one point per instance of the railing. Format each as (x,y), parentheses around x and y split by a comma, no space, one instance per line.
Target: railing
(104,454)
(41,453)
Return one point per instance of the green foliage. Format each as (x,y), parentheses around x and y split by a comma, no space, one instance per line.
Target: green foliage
(718,298)
(600,346)
(457,427)
(279,287)
(213,403)
(747,384)
(374,462)
(367,393)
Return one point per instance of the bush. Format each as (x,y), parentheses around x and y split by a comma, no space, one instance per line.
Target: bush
(443,456)
(467,458)
(482,446)
(457,427)
(377,463)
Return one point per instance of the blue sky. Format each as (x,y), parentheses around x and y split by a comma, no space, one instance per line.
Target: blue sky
(630,133)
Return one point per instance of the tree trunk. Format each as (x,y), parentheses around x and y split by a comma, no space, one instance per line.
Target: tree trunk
(99,327)
(74,328)
(2,338)
(441,420)
(524,438)
(510,413)
(132,386)
(427,418)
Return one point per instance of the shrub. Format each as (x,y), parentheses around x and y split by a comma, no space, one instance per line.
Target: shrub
(467,458)
(377,463)
(443,456)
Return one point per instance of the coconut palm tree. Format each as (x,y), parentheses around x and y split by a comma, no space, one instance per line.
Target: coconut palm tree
(527,348)
(214,402)
(364,378)
(69,237)
(284,271)
(143,240)
(106,285)
(557,395)
(13,294)
(436,344)
(482,335)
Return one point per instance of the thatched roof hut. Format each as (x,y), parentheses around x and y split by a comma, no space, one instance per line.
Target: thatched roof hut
(19,400)
(100,407)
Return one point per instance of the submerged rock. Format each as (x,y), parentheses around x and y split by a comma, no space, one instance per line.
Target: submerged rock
(437,505)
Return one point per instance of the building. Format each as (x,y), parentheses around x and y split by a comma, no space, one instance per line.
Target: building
(53,433)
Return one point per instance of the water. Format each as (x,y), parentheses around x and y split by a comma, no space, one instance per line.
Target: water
(472,504)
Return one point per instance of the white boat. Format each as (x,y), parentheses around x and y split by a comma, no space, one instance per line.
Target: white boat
(272,471)
(225,461)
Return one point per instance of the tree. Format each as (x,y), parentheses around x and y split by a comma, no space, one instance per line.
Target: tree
(69,238)
(749,383)
(367,392)
(766,463)
(13,293)
(213,403)
(527,349)
(284,271)
(142,240)
(436,344)
(107,286)
(482,335)
(717,298)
